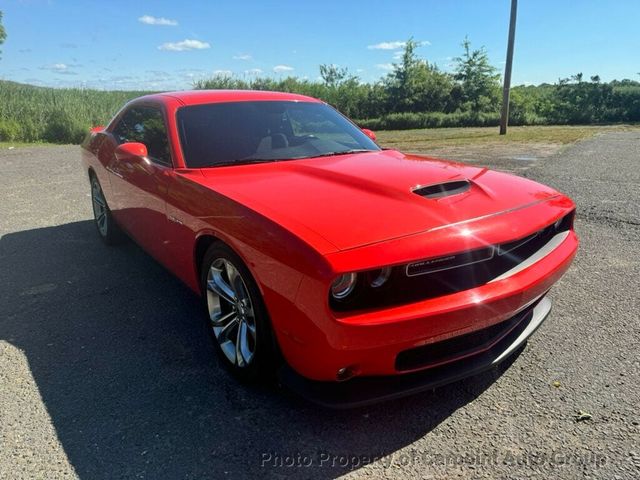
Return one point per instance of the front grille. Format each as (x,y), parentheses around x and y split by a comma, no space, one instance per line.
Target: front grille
(452,261)
(433,278)
(464,345)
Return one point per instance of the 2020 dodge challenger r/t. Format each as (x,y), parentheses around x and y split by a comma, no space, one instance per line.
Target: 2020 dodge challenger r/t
(355,272)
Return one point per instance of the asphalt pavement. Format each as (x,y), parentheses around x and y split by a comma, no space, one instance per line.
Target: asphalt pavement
(106,371)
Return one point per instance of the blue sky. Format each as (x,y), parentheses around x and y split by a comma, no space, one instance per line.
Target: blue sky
(167,44)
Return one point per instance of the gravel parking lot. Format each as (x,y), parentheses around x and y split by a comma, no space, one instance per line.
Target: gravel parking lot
(105,369)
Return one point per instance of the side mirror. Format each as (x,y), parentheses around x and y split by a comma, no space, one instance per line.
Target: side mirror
(130,150)
(369,133)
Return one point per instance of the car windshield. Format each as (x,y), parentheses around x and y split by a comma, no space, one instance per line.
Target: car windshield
(238,133)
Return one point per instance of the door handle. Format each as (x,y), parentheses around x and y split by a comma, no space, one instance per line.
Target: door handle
(173,219)
(115,172)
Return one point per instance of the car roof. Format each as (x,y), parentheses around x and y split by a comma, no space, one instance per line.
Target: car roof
(197,97)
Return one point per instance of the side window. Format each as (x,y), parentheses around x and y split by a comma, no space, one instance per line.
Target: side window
(145,125)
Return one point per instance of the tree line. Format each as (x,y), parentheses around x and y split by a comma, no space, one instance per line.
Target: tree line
(417,94)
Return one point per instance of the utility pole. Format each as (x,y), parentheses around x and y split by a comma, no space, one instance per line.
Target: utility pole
(504,116)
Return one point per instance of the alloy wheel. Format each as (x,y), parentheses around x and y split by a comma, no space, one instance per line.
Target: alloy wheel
(99,208)
(231,312)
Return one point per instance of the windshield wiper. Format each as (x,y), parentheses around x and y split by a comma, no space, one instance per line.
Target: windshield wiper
(345,152)
(246,161)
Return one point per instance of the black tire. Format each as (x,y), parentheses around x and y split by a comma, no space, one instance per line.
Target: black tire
(260,367)
(107,228)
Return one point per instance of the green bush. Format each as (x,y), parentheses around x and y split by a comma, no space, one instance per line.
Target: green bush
(10,131)
(63,128)
(407,121)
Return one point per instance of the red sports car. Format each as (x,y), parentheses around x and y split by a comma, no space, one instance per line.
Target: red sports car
(355,272)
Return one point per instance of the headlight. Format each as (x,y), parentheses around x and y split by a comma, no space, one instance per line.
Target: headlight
(377,278)
(565,223)
(343,285)
(558,224)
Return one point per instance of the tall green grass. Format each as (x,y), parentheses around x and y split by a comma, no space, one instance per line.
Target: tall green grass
(57,115)
(36,114)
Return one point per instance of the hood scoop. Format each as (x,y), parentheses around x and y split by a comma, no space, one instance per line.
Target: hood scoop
(444,189)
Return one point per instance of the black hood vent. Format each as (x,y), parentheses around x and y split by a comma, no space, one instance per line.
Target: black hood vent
(445,189)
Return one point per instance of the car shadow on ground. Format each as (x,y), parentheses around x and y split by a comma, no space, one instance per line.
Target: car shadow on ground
(119,354)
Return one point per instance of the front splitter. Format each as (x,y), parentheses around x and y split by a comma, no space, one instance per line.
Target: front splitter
(362,391)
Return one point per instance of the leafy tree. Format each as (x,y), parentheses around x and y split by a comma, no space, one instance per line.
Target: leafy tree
(333,75)
(577,101)
(478,79)
(415,85)
(3,33)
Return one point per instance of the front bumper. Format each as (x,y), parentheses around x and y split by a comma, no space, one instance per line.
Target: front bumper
(362,391)
(318,345)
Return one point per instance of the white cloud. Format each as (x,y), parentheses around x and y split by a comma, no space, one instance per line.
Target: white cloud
(386,46)
(396,45)
(253,71)
(60,68)
(184,45)
(151,20)
(385,66)
(397,55)
(223,73)
(282,68)
(243,56)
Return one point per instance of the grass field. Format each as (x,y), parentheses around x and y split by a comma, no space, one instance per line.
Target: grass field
(436,138)
(11,145)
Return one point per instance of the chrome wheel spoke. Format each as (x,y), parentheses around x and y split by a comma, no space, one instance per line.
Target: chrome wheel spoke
(243,348)
(221,288)
(224,333)
(252,329)
(239,360)
(232,275)
(102,220)
(219,320)
(98,200)
(229,349)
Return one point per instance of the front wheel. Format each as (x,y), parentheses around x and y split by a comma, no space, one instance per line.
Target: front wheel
(107,229)
(238,322)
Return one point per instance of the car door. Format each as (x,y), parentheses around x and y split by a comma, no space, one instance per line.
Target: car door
(140,184)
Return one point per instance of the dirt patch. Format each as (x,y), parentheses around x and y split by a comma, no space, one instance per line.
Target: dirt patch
(522,152)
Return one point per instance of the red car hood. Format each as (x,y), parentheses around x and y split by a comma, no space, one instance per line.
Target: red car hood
(360,199)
